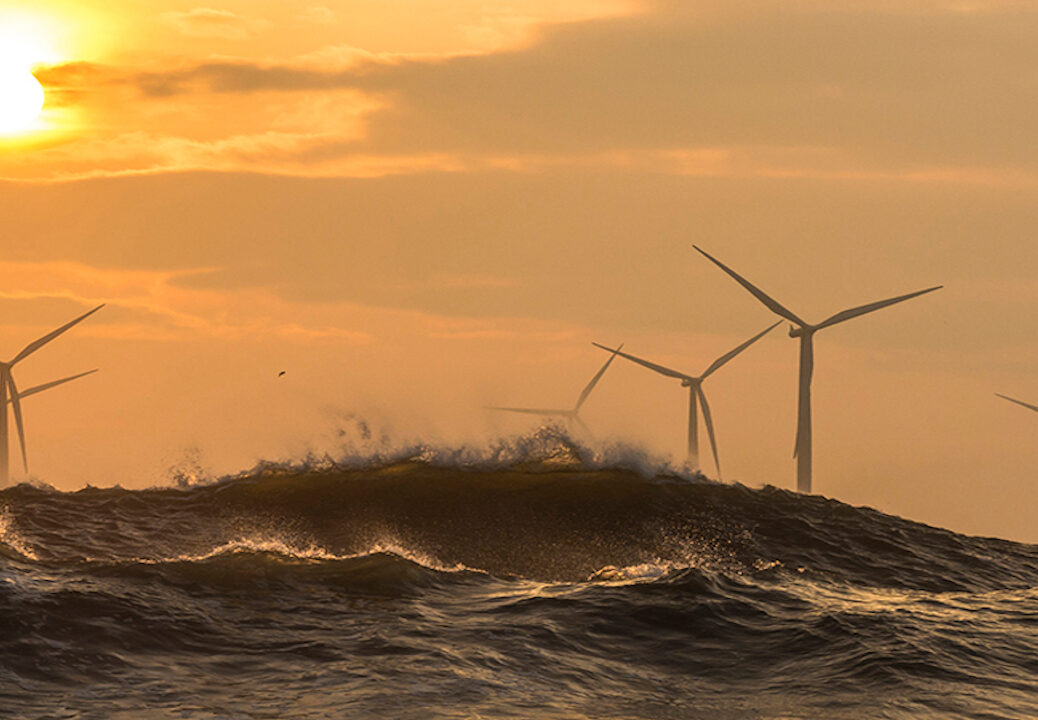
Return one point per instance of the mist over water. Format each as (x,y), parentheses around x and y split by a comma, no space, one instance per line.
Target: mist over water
(532,577)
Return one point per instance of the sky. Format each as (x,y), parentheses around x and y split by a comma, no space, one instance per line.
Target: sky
(418,208)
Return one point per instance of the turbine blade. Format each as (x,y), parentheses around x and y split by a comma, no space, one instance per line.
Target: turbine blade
(1018,402)
(732,353)
(645,363)
(708,420)
(47,386)
(872,307)
(594,381)
(37,344)
(577,419)
(16,403)
(530,411)
(768,301)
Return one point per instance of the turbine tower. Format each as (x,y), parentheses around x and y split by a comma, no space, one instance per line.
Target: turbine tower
(805,332)
(9,393)
(1018,402)
(572,416)
(695,394)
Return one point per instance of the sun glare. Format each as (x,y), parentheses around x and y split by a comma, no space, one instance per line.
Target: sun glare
(21,100)
(21,96)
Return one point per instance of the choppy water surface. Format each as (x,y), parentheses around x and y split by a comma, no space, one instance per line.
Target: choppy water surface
(418,590)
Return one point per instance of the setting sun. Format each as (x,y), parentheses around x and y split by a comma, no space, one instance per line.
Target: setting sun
(21,100)
(23,46)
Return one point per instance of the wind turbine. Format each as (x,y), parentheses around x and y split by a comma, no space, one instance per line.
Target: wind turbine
(806,332)
(1018,402)
(695,394)
(9,393)
(572,416)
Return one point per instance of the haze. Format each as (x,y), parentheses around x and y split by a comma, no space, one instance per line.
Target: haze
(417,208)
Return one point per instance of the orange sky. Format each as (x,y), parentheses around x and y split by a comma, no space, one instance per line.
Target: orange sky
(417,208)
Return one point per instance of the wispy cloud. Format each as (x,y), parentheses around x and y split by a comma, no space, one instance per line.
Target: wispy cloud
(211,23)
(152,305)
(167,306)
(319,14)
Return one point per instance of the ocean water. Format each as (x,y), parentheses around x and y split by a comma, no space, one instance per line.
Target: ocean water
(528,588)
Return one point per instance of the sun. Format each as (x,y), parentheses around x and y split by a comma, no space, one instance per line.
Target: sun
(21,100)
(22,46)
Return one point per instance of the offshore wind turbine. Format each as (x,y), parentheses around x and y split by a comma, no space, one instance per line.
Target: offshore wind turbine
(571,415)
(11,396)
(695,393)
(805,331)
(1018,402)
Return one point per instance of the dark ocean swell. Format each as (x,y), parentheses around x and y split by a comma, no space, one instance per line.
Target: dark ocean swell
(421,590)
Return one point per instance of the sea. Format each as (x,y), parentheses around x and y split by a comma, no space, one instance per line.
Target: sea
(553,582)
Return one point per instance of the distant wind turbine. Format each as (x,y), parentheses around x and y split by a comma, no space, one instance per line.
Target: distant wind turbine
(805,331)
(1018,402)
(571,416)
(11,396)
(695,394)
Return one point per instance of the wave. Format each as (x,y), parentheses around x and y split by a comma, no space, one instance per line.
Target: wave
(549,576)
(240,569)
(556,522)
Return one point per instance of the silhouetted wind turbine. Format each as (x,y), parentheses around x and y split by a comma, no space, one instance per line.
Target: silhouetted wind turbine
(695,394)
(9,392)
(805,331)
(1018,402)
(572,416)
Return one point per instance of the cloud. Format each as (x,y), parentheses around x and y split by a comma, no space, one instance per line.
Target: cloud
(320,14)
(210,23)
(150,305)
(937,88)
(557,243)
(279,153)
(931,93)
(166,306)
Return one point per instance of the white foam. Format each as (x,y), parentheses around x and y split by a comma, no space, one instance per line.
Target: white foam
(548,447)
(9,536)
(308,551)
(633,574)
